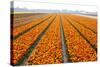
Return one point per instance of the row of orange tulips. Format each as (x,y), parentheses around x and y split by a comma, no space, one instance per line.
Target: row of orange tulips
(88,22)
(21,44)
(48,50)
(79,50)
(92,37)
(19,30)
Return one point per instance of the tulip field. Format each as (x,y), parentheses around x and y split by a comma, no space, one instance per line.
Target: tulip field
(54,38)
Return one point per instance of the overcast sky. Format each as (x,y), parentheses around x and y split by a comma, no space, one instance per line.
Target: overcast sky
(83,5)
